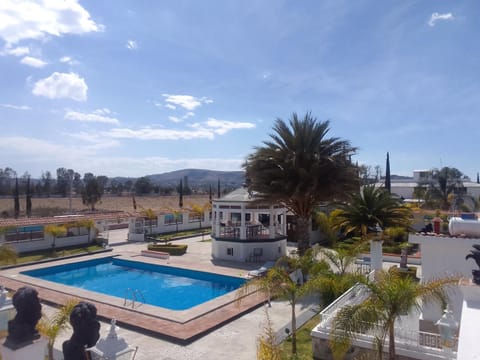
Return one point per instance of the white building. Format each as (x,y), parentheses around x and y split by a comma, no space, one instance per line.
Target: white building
(167,222)
(405,187)
(31,234)
(417,335)
(244,229)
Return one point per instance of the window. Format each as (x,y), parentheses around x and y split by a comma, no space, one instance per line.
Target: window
(170,219)
(230,251)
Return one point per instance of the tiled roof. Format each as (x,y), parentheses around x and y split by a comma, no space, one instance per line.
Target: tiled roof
(62,219)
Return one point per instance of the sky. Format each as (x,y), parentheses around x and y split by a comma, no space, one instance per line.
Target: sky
(136,87)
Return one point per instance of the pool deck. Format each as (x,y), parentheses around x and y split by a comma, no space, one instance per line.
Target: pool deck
(236,338)
(177,326)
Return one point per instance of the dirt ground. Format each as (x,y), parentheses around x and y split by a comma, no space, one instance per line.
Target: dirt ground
(48,206)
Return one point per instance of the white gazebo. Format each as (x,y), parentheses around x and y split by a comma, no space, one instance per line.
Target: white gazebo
(244,229)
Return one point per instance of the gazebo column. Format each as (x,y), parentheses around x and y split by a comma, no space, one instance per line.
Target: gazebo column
(216,222)
(271,224)
(243,229)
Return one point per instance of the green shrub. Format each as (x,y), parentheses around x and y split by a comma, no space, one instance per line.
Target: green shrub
(171,249)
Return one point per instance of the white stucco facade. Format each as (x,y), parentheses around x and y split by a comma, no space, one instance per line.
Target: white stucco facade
(164,223)
(244,229)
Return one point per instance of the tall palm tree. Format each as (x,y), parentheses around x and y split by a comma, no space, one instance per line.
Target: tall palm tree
(300,167)
(371,207)
(391,296)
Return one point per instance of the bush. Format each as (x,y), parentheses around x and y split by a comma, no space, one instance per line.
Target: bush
(171,249)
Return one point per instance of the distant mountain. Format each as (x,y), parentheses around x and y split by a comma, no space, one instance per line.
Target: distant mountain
(200,177)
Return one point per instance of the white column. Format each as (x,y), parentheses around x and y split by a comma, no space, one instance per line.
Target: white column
(243,229)
(376,256)
(217,222)
(271,226)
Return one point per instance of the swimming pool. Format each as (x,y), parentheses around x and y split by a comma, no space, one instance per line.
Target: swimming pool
(164,286)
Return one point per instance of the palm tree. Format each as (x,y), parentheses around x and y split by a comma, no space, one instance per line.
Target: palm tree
(390,297)
(446,188)
(327,227)
(279,284)
(52,326)
(55,231)
(150,215)
(369,208)
(7,254)
(199,210)
(300,167)
(341,258)
(89,224)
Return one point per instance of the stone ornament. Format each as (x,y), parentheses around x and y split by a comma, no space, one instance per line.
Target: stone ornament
(86,331)
(22,328)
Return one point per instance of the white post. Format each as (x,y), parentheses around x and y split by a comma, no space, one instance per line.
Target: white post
(376,256)
(243,228)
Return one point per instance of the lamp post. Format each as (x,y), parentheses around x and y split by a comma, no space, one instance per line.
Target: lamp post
(448,327)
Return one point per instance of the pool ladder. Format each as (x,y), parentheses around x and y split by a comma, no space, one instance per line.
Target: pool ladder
(134,294)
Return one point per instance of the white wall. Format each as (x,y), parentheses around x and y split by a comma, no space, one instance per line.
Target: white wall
(445,256)
(162,228)
(242,250)
(46,243)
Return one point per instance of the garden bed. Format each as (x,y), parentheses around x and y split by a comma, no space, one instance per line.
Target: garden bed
(174,250)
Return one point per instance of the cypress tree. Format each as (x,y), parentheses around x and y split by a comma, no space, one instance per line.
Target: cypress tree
(16,200)
(180,195)
(28,205)
(388,183)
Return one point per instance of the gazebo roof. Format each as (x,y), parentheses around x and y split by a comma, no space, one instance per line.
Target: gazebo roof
(63,219)
(238,195)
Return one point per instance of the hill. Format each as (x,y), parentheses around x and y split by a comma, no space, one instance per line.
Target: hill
(200,178)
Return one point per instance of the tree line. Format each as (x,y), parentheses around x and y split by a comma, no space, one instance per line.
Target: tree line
(66,182)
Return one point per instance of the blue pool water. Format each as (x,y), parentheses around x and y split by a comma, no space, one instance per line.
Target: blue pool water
(164,286)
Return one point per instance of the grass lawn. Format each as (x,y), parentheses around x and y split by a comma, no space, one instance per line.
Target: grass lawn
(172,236)
(49,254)
(304,342)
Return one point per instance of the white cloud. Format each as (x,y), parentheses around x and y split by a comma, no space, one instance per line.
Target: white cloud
(34,62)
(65,59)
(187,102)
(88,155)
(177,119)
(131,45)
(30,19)
(159,134)
(221,127)
(15,107)
(439,17)
(169,106)
(62,85)
(99,116)
(15,51)
(174,119)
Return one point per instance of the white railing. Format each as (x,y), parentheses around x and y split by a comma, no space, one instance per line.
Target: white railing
(409,340)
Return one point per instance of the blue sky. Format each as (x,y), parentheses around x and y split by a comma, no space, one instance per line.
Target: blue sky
(129,88)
